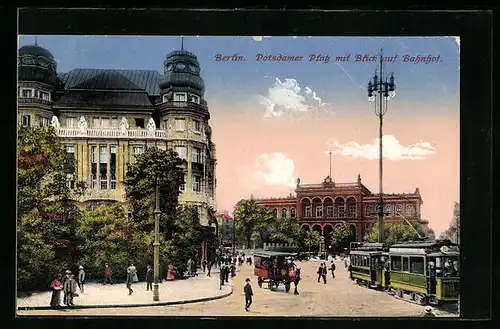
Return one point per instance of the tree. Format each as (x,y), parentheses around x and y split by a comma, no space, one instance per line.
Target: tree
(342,236)
(285,230)
(186,239)
(152,166)
(394,233)
(311,239)
(453,232)
(251,218)
(46,213)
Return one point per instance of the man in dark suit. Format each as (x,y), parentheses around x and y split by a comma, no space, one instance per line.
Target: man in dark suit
(248,294)
(322,272)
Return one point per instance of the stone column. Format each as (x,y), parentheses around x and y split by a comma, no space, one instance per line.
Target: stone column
(85,162)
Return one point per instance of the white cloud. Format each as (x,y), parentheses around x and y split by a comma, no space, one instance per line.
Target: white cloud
(392,149)
(274,169)
(288,97)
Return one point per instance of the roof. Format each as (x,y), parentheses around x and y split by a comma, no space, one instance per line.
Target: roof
(147,80)
(423,244)
(267,253)
(109,99)
(35,50)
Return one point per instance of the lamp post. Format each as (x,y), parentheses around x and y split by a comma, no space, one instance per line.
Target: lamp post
(156,244)
(234,236)
(383,89)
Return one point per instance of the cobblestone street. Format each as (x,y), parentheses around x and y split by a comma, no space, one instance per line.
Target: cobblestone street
(339,297)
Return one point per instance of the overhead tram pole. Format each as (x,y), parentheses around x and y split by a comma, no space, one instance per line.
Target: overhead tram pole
(383,90)
(156,244)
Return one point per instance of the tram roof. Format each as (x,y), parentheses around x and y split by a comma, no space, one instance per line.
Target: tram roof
(424,244)
(268,253)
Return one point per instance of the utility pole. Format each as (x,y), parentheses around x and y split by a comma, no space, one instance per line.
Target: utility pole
(156,244)
(234,236)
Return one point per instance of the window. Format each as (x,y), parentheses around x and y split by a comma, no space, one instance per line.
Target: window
(329,211)
(70,181)
(319,211)
(93,169)
(180,124)
(27,93)
(406,264)
(196,156)
(368,210)
(399,208)
(182,188)
(196,183)
(103,166)
(197,126)
(45,96)
(275,213)
(341,211)
(409,209)
(351,210)
(112,167)
(180,97)
(283,213)
(292,213)
(44,122)
(388,208)
(139,122)
(70,149)
(194,99)
(114,122)
(71,122)
(105,123)
(25,120)
(417,265)
(396,263)
(308,211)
(182,151)
(165,98)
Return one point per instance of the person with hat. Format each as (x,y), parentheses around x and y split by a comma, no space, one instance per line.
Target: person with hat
(129,281)
(81,278)
(248,294)
(296,278)
(69,288)
(428,312)
(107,274)
(332,268)
(57,286)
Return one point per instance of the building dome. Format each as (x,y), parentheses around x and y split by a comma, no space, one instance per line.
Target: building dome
(35,50)
(36,64)
(182,71)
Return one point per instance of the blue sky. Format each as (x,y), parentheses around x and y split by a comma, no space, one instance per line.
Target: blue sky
(430,85)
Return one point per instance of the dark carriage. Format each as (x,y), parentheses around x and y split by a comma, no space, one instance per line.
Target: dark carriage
(275,268)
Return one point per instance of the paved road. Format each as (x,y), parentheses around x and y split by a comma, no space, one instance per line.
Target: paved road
(339,297)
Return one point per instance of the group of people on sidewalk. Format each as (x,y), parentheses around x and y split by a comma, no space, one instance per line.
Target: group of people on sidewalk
(67,285)
(323,271)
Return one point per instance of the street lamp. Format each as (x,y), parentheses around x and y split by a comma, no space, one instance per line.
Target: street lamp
(234,235)
(156,244)
(384,89)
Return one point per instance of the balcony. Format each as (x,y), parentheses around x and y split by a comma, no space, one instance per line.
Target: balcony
(33,100)
(113,133)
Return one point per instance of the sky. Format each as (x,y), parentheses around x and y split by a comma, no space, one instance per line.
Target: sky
(275,120)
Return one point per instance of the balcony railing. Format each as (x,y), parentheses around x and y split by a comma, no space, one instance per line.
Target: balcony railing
(113,133)
(31,100)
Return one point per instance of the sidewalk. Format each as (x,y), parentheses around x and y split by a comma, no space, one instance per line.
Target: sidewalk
(197,289)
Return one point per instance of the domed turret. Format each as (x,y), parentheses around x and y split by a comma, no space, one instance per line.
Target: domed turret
(182,73)
(36,64)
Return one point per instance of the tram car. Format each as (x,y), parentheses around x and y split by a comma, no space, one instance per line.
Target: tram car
(421,272)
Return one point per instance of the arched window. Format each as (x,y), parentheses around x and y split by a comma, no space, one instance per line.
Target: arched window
(409,210)
(275,213)
(283,213)
(292,213)
(351,207)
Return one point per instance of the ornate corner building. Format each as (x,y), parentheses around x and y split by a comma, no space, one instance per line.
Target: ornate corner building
(324,206)
(106,117)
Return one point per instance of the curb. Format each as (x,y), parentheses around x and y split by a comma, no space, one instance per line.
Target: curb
(186,301)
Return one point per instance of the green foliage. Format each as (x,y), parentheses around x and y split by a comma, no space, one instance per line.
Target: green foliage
(140,185)
(251,219)
(46,215)
(453,232)
(342,236)
(311,239)
(285,230)
(394,232)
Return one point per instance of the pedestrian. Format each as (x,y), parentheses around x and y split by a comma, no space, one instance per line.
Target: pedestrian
(233,270)
(129,280)
(226,272)
(332,268)
(204,265)
(69,288)
(57,286)
(149,278)
(222,276)
(248,294)
(209,268)
(296,279)
(322,272)
(81,278)
(133,270)
(107,274)
(428,312)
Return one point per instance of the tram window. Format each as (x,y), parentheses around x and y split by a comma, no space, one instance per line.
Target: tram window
(417,265)
(257,261)
(406,267)
(396,263)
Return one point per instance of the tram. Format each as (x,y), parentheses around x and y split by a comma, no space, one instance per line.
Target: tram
(421,272)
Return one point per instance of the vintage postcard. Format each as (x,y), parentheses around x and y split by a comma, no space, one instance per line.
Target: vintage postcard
(238,176)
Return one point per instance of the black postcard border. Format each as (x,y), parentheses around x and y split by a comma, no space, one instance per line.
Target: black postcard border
(476,128)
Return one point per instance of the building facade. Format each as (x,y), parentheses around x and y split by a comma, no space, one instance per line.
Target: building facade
(324,206)
(226,224)
(105,118)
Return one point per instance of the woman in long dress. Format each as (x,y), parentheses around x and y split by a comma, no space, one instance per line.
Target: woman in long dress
(57,286)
